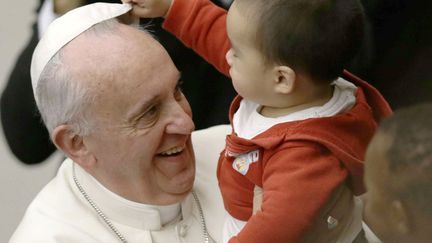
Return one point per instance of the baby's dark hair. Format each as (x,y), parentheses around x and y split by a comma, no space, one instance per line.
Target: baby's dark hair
(410,153)
(317,38)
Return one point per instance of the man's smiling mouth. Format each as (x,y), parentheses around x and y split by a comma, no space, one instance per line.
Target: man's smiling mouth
(172,151)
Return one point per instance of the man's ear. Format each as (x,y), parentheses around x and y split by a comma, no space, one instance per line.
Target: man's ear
(284,79)
(399,216)
(73,146)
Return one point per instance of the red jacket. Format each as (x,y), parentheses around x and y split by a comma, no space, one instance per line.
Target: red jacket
(298,164)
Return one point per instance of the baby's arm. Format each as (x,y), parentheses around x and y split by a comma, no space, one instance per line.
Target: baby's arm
(199,24)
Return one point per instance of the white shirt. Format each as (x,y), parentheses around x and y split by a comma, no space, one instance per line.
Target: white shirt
(248,122)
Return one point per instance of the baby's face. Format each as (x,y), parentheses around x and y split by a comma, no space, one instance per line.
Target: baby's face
(251,76)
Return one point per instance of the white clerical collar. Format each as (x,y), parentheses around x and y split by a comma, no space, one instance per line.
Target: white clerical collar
(167,213)
(117,208)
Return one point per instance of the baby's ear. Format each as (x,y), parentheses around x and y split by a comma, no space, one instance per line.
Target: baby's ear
(284,79)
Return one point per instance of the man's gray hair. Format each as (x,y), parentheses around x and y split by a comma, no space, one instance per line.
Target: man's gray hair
(61,98)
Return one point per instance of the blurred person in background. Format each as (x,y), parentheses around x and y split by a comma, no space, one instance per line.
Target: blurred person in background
(398,177)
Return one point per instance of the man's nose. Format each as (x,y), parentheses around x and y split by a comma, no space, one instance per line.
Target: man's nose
(229,56)
(180,120)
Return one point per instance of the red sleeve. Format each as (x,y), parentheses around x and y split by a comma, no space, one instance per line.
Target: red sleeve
(201,25)
(297,182)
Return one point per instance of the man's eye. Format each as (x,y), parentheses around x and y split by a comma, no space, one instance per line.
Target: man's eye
(151,112)
(148,118)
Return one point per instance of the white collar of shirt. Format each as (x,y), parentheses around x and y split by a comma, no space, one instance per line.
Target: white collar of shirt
(117,208)
(248,123)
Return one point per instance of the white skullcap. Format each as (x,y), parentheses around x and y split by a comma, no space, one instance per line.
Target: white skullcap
(64,29)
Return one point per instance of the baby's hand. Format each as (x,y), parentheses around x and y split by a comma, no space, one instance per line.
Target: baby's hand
(149,8)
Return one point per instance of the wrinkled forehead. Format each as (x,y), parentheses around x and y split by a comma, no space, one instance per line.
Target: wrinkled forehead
(115,59)
(123,71)
(104,47)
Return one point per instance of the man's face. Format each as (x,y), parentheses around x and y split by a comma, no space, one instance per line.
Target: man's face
(377,213)
(141,144)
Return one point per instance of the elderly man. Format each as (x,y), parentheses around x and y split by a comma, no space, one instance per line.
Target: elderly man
(109,95)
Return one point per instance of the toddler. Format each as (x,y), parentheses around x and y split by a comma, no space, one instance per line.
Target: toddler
(301,124)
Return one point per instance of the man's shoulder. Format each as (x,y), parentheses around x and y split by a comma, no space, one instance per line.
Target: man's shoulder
(55,213)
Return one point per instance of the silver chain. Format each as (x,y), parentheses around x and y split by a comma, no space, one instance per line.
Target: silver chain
(115,230)
(203,224)
(96,208)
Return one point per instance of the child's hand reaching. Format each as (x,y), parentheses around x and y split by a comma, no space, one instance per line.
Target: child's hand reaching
(149,8)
